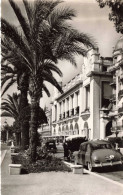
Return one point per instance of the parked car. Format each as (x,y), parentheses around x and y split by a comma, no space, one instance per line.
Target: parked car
(49,146)
(71,144)
(97,153)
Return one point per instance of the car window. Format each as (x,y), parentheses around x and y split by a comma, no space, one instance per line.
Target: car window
(83,147)
(101,146)
(88,148)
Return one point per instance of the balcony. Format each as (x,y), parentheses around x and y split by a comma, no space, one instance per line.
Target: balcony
(113,97)
(72,112)
(67,114)
(121,77)
(76,111)
(60,116)
(120,94)
(113,83)
(120,110)
(63,115)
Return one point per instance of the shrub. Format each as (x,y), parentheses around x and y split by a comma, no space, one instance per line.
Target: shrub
(45,162)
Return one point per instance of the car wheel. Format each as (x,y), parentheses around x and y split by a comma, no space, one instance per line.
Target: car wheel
(90,168)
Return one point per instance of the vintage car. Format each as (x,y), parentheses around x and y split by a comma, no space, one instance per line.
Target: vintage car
(71,144)
(49,146)
(97,153)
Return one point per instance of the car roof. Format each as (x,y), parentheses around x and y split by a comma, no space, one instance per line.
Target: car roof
(96,142)
(74,137)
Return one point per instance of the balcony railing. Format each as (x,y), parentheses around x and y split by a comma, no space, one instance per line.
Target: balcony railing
(67,114)
(63,114)
(113,97)
(120,94)
(72,111)
(121,77)
(120,110)
(60,116)
(76,110)
(113,83)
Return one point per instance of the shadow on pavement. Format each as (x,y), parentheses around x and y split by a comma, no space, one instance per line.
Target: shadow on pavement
(109,169)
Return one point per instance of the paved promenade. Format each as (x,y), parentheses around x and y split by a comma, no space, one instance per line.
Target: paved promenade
(55,183)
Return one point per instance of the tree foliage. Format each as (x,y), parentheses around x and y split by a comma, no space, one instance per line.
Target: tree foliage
(116,14)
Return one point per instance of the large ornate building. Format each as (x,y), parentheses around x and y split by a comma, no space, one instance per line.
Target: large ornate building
(117,86)
(84,106)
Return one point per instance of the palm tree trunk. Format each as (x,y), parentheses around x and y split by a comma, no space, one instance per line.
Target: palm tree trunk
(34,127)
(25,124)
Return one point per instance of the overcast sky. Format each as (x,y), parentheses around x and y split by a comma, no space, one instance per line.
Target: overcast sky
(90,19)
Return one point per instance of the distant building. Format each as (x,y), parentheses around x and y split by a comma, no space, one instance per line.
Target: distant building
(84,106)
(117,86)
(45,129)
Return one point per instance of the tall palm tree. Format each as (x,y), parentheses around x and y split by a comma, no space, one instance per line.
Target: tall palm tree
(15,74)
(45,37)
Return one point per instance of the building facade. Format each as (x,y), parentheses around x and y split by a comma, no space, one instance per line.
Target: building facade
(84,106)
(45,129)
(117,87)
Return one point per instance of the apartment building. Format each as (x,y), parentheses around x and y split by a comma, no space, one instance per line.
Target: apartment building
(117,88)
(84,106)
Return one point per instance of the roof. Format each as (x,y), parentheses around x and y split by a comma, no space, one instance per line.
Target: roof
(74,137)
(96,142)
(119,44)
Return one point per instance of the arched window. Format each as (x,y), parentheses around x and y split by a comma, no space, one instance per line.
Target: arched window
(86,130)
(76,129)
(71,129)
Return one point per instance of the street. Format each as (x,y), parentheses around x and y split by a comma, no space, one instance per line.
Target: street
(113,173)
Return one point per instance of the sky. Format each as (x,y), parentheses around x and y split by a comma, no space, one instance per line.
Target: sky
(90,19)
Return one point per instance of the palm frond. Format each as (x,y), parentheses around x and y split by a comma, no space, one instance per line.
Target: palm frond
(46,90)
(11,31)
(53,67)
(6,114)
(11,82)
(52,80)
(21,19)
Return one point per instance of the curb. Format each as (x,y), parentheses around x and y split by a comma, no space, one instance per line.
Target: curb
(97,175)
(3,155)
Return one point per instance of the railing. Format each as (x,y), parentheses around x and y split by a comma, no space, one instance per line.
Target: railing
(113,97)
(120,110)
(120,94)
(121,77)
(113,82)
(76,110)
(72,111)
(60,116)
(67,113)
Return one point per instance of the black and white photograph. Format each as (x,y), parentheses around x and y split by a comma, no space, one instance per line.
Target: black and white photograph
(61,97)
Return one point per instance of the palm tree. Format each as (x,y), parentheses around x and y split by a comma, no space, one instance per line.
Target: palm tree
(44,38)
(15,74)
(11,108)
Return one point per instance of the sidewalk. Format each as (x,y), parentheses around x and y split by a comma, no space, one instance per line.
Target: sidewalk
(55,183)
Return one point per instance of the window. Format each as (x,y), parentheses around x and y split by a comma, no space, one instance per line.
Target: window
(106,94)
(88,97)
(55,112)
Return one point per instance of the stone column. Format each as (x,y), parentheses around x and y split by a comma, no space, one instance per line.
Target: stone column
(70,105)
(102,128)
(58,111)
(66,107)
(53,112)
(94,107)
